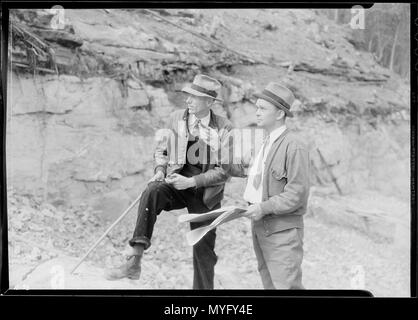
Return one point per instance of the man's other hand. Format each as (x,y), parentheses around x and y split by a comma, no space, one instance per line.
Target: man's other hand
(180,182)
(254,212)
(159,176)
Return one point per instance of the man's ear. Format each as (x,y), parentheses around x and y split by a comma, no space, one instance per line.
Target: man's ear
(210,102)
(280,115)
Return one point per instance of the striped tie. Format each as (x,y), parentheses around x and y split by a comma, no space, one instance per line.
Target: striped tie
(258,176)
(196,128)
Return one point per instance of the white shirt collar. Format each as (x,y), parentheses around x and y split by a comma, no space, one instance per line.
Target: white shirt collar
(276,133)
(252,194)
(205,120)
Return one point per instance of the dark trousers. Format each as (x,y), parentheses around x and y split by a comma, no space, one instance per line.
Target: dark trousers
(160,196)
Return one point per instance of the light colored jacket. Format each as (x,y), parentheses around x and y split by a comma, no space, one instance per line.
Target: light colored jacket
(171,149)
(285,183)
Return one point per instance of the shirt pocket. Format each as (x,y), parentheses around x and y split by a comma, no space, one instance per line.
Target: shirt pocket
(278,173)
(277,181)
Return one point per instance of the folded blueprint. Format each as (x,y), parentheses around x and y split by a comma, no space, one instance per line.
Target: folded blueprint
(221,216)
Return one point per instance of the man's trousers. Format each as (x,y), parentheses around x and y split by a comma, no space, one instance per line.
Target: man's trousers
(279,257)
(159,196)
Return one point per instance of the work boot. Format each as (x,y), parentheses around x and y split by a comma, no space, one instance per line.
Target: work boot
(131,269)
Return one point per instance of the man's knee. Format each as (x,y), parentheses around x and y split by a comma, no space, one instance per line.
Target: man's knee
(207,243)
(286,275)
(283,255)
(205,248)
(205,256)
(153,188)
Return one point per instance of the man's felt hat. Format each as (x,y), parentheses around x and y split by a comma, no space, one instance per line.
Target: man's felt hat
(204,86)
(278,95)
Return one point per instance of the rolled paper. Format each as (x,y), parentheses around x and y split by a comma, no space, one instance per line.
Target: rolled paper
(195,235)
(228,214)
(199,217)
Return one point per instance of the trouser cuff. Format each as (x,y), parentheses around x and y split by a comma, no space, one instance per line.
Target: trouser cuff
(140,240)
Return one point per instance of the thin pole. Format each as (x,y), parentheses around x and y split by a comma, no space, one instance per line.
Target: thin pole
(334,180)
(106,232)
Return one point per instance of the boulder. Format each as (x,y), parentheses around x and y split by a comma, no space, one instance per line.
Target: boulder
(60,37)
(43,94)
(71,134)
(160,105)
(369,214)
(120,36)
(137,97)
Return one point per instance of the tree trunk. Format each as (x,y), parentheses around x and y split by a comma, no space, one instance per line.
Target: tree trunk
(393,51)
(381,53)
(374,43)
(336,16)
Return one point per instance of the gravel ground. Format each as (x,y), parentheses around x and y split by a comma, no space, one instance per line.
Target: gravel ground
(335,256)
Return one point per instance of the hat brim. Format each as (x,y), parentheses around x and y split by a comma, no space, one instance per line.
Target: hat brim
(275,103)
(198,93)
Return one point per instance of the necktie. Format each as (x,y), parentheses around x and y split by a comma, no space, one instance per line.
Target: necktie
(196,128)
(258,176)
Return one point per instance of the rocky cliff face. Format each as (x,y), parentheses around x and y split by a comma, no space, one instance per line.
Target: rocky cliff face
(71,138)
(81,126)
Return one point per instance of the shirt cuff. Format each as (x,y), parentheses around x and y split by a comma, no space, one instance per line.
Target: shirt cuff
(160,168)
(200,180)
(266,207)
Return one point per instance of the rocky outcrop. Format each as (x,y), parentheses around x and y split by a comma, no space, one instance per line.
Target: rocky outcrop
(75,132)
(81,123)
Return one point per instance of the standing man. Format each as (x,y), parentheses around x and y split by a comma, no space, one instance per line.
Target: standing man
(277,192)
(186,176)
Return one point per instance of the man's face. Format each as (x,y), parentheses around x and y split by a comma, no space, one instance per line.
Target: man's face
(267,113)
(197,104)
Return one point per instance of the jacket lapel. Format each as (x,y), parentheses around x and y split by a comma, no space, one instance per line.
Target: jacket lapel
(213,125)
(186,121)
(273,150)
(183,137)
(212,122)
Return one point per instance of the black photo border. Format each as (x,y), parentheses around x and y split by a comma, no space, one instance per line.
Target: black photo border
(152,300)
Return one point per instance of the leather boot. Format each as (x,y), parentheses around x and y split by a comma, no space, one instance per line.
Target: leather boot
(131,269)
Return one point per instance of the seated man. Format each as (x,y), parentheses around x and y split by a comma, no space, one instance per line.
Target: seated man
(192,180)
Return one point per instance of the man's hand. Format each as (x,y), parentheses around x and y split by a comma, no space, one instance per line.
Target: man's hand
(209,136)
(159,176)
(180,182)
(248,159)
(254,212)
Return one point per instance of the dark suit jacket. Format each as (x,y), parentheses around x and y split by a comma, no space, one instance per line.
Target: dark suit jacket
(170,154)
